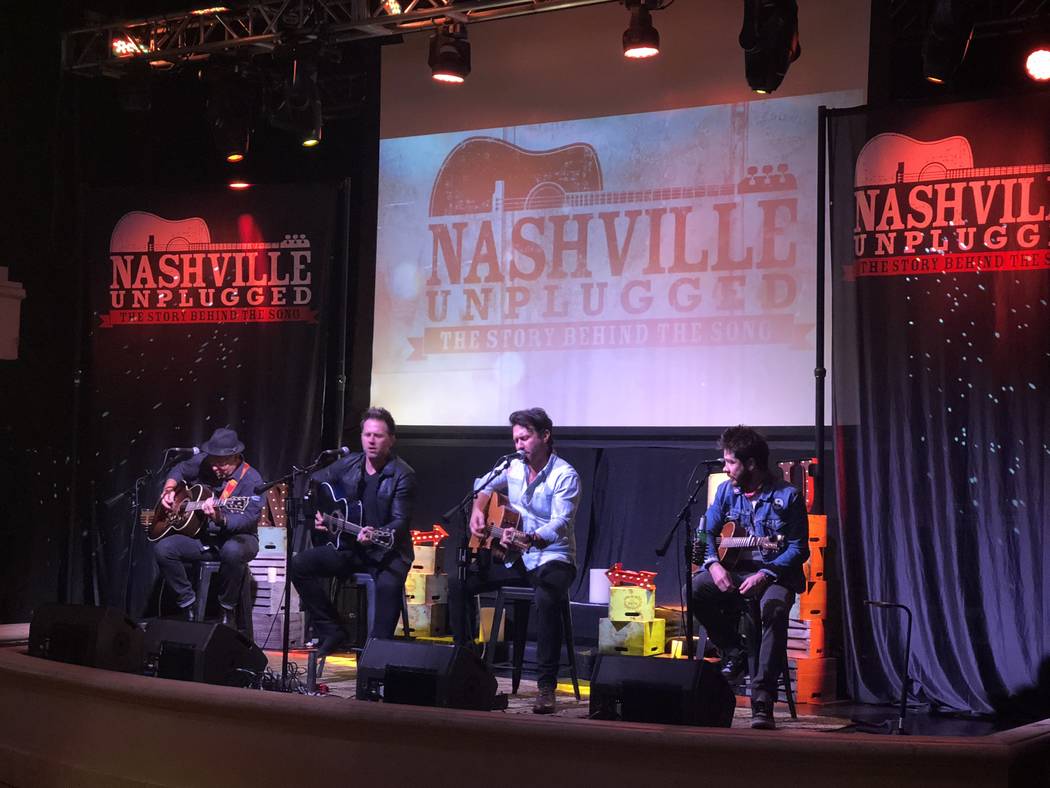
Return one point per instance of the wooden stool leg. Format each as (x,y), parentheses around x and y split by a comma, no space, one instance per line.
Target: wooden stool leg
(203,587)
(570,646)
(497,619)
(787,688)
(404,615)
(521,631)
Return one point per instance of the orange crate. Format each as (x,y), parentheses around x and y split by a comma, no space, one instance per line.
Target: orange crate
(818,530)
(813,603)
(816,680)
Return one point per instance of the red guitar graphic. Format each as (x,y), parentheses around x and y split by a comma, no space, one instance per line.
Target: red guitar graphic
(483,174)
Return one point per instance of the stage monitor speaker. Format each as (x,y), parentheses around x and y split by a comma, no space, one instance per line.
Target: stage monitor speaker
(99,637)
(198,651)
(424,674)
(667,691)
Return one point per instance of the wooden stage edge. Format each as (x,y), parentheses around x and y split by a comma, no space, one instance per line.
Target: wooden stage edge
(64,725)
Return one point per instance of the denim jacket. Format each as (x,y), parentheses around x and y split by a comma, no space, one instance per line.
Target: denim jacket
(779,510)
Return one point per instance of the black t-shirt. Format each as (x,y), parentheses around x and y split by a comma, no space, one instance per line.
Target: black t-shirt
(369,498)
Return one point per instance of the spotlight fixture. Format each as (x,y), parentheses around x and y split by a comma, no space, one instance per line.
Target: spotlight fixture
(449,57)
(296,100)
(947,39)
(238,184)
(230,113)
(641,39)
(1037,64)
(769,38)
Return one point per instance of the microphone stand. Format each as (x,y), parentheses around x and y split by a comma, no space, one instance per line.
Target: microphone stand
(294,516)
(134,493)
(462,508)
(684,517)
(894,727)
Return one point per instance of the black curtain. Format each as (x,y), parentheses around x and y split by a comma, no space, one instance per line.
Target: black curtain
(157,384)
(631,495)
(942,396)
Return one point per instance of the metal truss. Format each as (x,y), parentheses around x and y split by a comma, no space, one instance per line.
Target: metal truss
(111,49)
(908,18)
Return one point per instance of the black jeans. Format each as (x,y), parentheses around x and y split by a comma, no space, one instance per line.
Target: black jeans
(551,582)
(312,565)
(173,552)
(719,613)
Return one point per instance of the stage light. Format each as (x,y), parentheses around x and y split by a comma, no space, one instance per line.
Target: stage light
(769,38)
(640,39)
(298,101)
(1037,64)
(231,110)
(947,39)
(239,185)
(449,57)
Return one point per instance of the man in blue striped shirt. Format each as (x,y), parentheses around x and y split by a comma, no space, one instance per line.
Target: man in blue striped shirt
(545,490)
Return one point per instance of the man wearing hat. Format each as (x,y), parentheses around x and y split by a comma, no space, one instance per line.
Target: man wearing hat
(220,467)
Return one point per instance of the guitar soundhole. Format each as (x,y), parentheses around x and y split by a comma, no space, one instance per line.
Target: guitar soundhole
(545,196)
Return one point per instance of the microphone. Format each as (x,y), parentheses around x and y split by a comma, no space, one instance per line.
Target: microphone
(508,458)
(332,454)
(194,450)
(715,463)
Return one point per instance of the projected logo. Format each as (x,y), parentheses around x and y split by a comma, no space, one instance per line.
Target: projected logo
(169,272)
(924,208)
(531,252)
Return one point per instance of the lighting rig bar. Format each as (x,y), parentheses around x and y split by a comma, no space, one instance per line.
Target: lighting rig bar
(165,41)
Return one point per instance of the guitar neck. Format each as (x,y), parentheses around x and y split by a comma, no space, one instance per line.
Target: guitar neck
(342,525)
(746,541)
(193,506)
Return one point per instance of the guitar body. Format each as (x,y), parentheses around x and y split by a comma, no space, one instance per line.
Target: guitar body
(498,515)
(185,516)
(733,542)
(342,517)
(728,556)
(178,520)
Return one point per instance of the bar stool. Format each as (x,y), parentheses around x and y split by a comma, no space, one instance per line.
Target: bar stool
(366,580)
(753,626)
(522,598)
(208,569)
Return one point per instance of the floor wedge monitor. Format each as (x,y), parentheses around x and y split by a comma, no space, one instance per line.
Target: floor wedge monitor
(424,674)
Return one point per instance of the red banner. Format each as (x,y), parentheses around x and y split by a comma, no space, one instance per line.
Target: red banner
(157,317)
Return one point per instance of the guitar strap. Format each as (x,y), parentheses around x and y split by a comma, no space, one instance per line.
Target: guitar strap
(231,483)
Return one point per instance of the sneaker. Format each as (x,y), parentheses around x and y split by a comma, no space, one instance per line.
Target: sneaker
(762,715)
(734,667)
(545,701)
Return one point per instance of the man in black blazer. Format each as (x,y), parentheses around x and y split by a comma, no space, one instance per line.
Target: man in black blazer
(383,485)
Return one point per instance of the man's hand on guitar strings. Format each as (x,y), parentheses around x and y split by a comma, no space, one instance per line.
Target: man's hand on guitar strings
(477,523)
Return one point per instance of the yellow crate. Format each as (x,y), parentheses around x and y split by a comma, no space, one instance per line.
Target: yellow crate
(633,638)
(421,589)
(631,603)
(428,560)
(429,620)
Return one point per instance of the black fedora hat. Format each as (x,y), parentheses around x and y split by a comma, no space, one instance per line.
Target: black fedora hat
(222,443)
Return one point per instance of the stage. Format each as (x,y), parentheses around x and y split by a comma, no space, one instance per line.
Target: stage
(71,725)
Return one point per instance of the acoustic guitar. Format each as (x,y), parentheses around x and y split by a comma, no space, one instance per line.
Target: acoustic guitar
(341,517)
(500,518)
(185,516)
(732,544)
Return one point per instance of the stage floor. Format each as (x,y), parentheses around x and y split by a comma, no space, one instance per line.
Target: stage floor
(338,680)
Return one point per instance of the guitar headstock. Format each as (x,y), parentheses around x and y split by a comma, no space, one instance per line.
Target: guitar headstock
(237,505)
